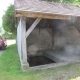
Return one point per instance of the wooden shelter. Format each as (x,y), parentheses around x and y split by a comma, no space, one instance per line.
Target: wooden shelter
(32,13)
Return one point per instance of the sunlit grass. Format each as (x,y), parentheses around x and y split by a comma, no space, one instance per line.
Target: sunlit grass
(10,69)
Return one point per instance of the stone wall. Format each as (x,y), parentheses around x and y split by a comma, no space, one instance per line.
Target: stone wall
(65,35)
(68,36)
(38,41)
(68,40)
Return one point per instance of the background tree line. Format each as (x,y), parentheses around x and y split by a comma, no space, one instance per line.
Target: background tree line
(72,2)
(8,21)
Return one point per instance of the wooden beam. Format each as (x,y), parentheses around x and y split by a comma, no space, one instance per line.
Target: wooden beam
(24,62)
(23,32)
(42,15)
(19,46)
(33,26)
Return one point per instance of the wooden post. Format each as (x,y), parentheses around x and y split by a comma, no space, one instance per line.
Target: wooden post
(24,62)
(32,26)
(24,35)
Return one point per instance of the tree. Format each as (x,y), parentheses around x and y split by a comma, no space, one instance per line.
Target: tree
(8,22)
(0,30)
(73,2)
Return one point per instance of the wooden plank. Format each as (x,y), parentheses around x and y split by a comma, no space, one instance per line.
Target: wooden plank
(43,15)
(19,40)
(24,49)
(32,26)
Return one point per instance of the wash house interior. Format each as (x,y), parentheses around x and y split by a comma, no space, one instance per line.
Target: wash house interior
(53,41)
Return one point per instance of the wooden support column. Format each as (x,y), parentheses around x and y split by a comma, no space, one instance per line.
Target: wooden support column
(33,26)
(24,35)
(24,62)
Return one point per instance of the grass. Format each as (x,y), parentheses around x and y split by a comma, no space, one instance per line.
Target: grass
(10,69)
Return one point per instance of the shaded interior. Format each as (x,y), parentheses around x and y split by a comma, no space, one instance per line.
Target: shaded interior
(50,35)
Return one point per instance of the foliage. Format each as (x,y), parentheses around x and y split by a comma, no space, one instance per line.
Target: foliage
(8,22)
(72,2)
(0,30)
(8,35)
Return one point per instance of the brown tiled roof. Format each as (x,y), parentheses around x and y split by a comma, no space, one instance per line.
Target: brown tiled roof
(37,6)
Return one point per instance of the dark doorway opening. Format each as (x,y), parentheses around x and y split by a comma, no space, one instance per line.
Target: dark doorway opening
(39,60)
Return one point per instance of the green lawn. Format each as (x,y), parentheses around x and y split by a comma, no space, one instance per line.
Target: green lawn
(10,69)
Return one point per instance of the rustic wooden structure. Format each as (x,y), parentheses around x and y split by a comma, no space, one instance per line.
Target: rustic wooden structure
(37,10)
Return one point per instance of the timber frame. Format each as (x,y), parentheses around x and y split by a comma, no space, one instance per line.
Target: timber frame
(45,10)
(24,35)
(42,15)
